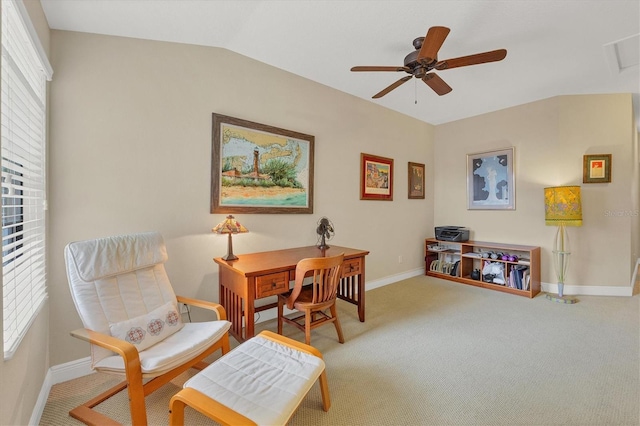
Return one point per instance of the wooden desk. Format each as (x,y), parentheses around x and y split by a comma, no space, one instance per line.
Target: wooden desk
(259,275)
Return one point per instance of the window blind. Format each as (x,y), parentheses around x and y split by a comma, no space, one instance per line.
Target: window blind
(23,125)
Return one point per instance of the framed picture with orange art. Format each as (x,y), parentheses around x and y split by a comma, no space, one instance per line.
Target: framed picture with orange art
(376,177)
(596,168)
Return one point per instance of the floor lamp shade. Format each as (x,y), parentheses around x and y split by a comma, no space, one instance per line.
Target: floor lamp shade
(562,207)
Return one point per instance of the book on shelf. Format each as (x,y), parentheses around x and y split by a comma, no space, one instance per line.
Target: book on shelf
(519,277)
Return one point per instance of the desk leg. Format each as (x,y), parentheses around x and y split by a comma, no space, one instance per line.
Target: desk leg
(235,300)
(361,296)
(351,290)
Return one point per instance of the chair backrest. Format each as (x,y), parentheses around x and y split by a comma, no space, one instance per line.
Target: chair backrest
(325,274)
(117,278)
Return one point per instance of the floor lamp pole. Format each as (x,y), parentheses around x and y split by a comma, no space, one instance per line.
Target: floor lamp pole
(560,262)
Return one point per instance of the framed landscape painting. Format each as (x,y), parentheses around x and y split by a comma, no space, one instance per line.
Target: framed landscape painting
(490,180)
(256,168)
(376,177)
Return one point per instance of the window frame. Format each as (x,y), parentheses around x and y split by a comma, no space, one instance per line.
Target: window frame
(25,71)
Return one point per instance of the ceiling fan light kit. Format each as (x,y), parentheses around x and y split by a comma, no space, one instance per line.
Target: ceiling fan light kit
(421,63)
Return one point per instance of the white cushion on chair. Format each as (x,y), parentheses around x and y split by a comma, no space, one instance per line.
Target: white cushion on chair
(146,330)
(105,257)
(261,379)
(173,351)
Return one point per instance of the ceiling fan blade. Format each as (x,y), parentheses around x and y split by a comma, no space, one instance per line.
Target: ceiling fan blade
(437,84)
(391,87)
(479,58)
(365,68)
(432,43)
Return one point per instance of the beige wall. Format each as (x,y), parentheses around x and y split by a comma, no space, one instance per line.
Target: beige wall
(130,147)
(131,151)
(21,377)
(550,138)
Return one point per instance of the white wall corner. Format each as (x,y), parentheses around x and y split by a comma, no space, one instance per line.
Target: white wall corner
(58,374)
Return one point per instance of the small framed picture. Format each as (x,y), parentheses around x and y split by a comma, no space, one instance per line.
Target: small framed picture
(416,180)
(376,177)
(596,168)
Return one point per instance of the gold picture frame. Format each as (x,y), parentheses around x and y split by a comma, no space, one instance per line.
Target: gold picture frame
(256,168)
(596,168)
(415,181)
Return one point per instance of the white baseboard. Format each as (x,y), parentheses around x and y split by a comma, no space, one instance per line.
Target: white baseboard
(635,274)
(583,290)
(71,370)
(394,278)
(58,374)
(36,414)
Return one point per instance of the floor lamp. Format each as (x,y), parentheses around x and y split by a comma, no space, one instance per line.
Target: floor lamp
(562,208)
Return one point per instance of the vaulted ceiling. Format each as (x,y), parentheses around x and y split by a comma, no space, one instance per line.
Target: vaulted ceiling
(555,47)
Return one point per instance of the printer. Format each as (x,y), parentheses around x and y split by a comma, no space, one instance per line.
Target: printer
(452,233)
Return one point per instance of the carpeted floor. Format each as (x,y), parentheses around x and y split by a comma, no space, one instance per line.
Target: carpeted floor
(434,352)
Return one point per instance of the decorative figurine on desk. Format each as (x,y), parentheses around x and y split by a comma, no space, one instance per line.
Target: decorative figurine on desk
(326,231)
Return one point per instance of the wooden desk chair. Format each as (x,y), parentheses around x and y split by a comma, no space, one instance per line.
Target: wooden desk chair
(131,318)
(315,298)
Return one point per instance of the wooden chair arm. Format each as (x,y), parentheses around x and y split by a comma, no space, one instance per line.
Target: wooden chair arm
(121,347)
(212,306)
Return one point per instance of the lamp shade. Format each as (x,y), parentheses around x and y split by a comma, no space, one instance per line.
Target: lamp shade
(229,226)
(562,206)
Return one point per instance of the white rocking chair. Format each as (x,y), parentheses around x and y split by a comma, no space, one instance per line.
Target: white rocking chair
(132,319)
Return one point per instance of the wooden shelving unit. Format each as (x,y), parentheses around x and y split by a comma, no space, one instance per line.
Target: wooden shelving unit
(455,261)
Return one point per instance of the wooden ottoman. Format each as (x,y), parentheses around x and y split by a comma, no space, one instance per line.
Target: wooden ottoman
(262,381)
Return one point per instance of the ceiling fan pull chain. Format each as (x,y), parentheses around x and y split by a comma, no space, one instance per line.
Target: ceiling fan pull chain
(415,88)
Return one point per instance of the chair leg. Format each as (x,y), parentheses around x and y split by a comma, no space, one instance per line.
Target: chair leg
(136,397)
(307,327)
(324,390)
(176,411)
(336,322)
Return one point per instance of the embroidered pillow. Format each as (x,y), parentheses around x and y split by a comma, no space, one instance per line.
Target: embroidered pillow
(147,330)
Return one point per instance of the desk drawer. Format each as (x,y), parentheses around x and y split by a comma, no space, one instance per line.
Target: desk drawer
(268,285)
(351,267)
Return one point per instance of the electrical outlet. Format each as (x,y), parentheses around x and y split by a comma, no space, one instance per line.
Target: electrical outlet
(400,259)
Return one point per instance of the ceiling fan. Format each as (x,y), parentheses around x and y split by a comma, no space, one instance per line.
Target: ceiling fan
(424,59)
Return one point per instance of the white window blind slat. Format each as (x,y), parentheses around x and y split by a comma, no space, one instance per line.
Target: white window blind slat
(22,157)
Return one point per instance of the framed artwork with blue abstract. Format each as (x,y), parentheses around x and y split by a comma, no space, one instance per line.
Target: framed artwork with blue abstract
(490,180)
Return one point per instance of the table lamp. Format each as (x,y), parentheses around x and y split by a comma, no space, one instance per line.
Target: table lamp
(229,226)
(562,207)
